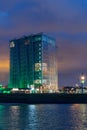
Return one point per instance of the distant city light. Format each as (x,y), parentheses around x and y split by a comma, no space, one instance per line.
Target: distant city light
(82,78)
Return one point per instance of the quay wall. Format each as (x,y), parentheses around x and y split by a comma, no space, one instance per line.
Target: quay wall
(45,98)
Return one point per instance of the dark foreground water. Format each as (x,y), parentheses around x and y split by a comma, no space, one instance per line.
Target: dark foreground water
(43,117)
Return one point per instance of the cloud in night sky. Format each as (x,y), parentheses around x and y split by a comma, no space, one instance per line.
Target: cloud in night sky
(65,20)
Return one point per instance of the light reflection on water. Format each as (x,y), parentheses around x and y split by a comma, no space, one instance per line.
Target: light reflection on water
(43,117)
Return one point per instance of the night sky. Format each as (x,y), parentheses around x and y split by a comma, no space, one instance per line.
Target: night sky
(65,20)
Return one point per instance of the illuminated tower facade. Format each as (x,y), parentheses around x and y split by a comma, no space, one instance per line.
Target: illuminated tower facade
(33,62)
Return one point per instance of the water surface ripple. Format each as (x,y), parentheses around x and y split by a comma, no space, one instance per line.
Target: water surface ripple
(43,117)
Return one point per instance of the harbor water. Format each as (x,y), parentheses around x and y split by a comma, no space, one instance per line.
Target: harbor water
(43,117)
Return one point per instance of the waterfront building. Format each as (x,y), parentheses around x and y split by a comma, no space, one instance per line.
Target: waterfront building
(33,63)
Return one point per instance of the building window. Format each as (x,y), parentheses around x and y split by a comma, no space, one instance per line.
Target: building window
(37,66)
(44,38)
(37,38)
(12,44)
(39,57)
(39,53)
(37,81)
(27,42)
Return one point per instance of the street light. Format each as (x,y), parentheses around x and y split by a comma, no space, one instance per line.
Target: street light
(82,80)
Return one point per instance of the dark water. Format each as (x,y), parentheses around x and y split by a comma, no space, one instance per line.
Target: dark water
(43,117)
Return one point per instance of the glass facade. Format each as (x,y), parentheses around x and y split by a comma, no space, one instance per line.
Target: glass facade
(33,62)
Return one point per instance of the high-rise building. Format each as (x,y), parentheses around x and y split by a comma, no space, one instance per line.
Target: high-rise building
(33,62)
